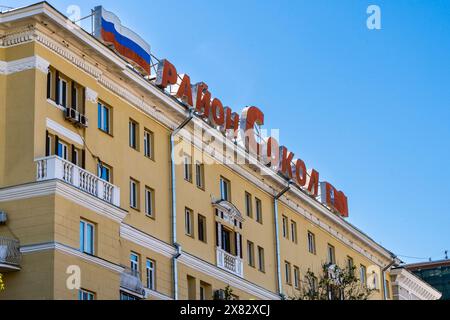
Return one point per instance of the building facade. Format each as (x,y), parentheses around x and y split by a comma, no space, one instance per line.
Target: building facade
(435,273)
(96,207)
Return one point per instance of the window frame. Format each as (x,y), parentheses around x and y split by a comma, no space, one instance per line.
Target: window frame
(251,254)
(261,259)
(258,211)
(134,199)
(84,241)
(288,273)
(285,226)
(104,115)
(294,232)
(151,270)
(150,207)
(64,147)
(187,168)
(200,175)
(202,225)
(133,134)
(84,292)
(225,187)
(60,93)
(312,243)
(249,205)
(149,144)
(108,170)
(331,254)
(189,222)
(135,263)
(296,277)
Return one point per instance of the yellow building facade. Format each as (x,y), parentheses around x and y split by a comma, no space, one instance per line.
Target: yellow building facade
(87,190)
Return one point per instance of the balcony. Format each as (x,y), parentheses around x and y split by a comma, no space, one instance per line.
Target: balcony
(10,255)
(130,280)
(230,263)
(54,167)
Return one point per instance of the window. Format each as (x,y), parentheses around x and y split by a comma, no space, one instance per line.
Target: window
(49,84)
(62,150)
(127,297)
(134,194)
(285,227)
(350,265)
(331,255)
(148,144)
(363,275)
(75,156)
(133,134)
(296,277)
(199,175)
(104,118)
(189,222)
(134,262)
(225,189)
(84,295)
(259,217)
(149,202)
(87,236)
(201,228)
(187,164)
(261,260)
(62,93)
(104,172)
(287,271)
(251,253)
(151,270)
(202,293)
(311,243)
(294,232)
(48,146)
(314,284)
(248,205)
(388,289)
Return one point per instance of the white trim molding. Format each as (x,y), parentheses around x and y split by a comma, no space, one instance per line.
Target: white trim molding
(135,236)
(55,246)
(33,62)
(60,188)
(405,282)
(63,131)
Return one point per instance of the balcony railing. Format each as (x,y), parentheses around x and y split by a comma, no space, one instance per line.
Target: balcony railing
(230,263)
(56,168)
(10,255)
(131,281)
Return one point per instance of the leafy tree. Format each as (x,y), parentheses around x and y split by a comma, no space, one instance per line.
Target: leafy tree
(2,284)
(335,283)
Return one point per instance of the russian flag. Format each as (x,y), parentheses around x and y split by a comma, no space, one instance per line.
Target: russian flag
(108,28)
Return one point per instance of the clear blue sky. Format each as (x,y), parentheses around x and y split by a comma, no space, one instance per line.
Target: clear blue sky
(370,110)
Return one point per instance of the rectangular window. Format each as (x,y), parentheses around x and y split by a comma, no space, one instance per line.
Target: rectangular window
(285,227)
(187,167)
(201,228)
(261,260)
(287,271)
(127,297)
(363,275)
(133,134)
(388,289)
(104,172)
(84,295)
(205,291)
(311,243)
(149,202)
(225,189)
(104,118)
(134,262)
(259,216)
(199,175)
(350,265)
(151,271)
(331,254)
(148,144)
(87,237)
(62,150)
(296,277)
(251,253)
(49,84)
(248,205)
(188,222)
(62,101)
(134,194)
(294,232)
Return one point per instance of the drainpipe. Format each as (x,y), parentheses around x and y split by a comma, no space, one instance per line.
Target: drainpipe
(174,203)
(383,276)
(277,237)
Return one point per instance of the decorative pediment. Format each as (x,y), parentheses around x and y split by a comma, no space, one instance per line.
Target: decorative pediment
(228,212)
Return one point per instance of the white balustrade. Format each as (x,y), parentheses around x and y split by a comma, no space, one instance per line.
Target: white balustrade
(230,263)
(54,167)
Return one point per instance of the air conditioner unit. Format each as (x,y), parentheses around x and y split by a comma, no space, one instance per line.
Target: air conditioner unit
(219,295)
(83,121)
(3,217)
(72,115)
